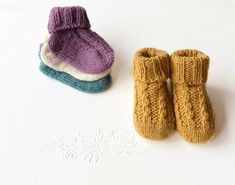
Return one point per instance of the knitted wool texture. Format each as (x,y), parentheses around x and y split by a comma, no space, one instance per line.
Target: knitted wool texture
(73,41)
(193,111)
(88,87)
(153,111)
(55,63)
(85,86)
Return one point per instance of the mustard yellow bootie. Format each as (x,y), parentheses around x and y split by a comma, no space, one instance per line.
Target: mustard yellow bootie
(193,111)
(153,111)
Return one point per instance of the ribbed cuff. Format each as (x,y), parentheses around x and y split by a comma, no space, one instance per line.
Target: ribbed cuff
(62,18)
(151,65)
(189,66)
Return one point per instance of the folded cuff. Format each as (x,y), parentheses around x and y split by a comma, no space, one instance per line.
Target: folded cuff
(151,65)
(62,18)
(189,66)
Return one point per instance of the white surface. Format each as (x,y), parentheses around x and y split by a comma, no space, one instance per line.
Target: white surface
(51,134)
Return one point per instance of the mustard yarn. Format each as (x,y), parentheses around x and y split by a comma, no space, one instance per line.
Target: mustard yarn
(153,112)
(192,107)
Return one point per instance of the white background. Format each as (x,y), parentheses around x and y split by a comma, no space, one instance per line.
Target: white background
(51,134)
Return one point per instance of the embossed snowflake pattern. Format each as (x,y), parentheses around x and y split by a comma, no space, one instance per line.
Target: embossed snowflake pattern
(91,147)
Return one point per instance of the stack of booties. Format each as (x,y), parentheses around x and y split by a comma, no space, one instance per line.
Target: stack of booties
(73,54)
(189,111)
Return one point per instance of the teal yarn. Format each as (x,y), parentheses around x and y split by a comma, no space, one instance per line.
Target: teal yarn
(88,87)
(85,86)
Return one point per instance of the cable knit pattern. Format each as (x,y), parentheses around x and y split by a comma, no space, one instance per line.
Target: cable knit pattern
(72,41)
(153,112)
(55,63)
(193,111)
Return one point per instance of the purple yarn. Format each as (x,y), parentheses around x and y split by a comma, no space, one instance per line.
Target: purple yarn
(67,18)
(73,41)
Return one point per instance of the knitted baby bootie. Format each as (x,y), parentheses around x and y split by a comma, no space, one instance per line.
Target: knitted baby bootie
(96,86)
(193,111)
(153,112)
(85,86)
(72,40)
(57,64)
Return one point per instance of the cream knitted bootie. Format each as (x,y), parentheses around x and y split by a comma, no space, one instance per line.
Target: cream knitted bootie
(193,111)
(153,112)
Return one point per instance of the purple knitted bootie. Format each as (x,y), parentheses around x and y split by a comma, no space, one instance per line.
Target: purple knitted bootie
(73,41)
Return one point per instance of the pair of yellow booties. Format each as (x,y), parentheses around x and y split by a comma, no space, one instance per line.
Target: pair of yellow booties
(155,116)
